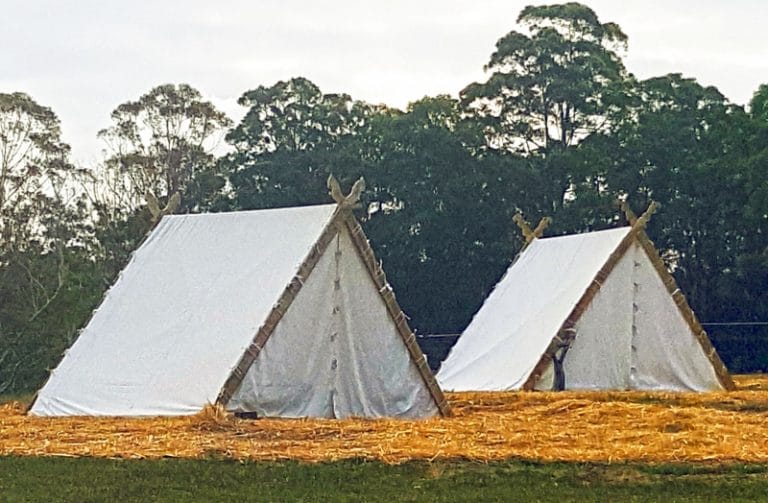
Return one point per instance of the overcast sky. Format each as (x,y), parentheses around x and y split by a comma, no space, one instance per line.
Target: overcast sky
(82,58)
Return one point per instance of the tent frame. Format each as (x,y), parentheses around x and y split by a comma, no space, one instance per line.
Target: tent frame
(567,332)
(342,219)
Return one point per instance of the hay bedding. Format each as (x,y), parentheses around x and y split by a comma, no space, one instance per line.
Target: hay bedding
(565,426)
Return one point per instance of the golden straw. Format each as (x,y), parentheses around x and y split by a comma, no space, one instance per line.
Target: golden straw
(651,427)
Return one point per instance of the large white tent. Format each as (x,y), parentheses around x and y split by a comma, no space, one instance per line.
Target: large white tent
(281,312)
(590,311)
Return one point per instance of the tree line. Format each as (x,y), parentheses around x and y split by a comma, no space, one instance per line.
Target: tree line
(559,128)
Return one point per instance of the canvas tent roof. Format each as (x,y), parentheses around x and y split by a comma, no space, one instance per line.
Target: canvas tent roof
(632,326)
(207,298)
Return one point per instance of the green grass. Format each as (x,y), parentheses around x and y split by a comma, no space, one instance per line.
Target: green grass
(65,479)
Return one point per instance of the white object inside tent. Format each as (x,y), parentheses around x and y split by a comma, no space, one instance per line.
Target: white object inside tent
(631,336)
(176,323)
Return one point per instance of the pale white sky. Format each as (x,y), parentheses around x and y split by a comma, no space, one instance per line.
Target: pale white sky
(82,58)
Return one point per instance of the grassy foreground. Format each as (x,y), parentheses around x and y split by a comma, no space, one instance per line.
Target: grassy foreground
(89,479)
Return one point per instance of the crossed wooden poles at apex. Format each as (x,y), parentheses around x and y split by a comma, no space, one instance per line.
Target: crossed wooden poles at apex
(530,234)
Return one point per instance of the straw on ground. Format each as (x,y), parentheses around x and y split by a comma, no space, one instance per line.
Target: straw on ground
(564,426)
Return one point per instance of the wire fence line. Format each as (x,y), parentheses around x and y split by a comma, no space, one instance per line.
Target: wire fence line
(705,324)
(736,324)
(741,345)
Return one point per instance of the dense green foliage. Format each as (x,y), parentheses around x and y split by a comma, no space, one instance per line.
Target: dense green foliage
(559,128)
(82,480)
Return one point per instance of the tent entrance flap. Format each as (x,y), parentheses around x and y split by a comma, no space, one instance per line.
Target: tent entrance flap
(632,336)
(336,352)
(599,356)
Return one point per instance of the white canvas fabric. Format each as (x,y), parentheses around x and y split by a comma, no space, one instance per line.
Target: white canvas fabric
(176,322)
(171,330)
(513,328)
(600,356)
(666,354)
(631,336)
(317,361)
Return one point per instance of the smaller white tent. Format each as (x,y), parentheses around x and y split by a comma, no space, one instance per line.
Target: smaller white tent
(281,312)
(588,311)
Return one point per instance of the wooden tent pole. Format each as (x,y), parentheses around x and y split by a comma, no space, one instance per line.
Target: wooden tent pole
(530,234)
(350,200)
(158,213)
(628,213)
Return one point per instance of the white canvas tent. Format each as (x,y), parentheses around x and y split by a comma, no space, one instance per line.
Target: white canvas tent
(280,312)
(589,311)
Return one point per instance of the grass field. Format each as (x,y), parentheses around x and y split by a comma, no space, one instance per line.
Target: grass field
(88,479)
